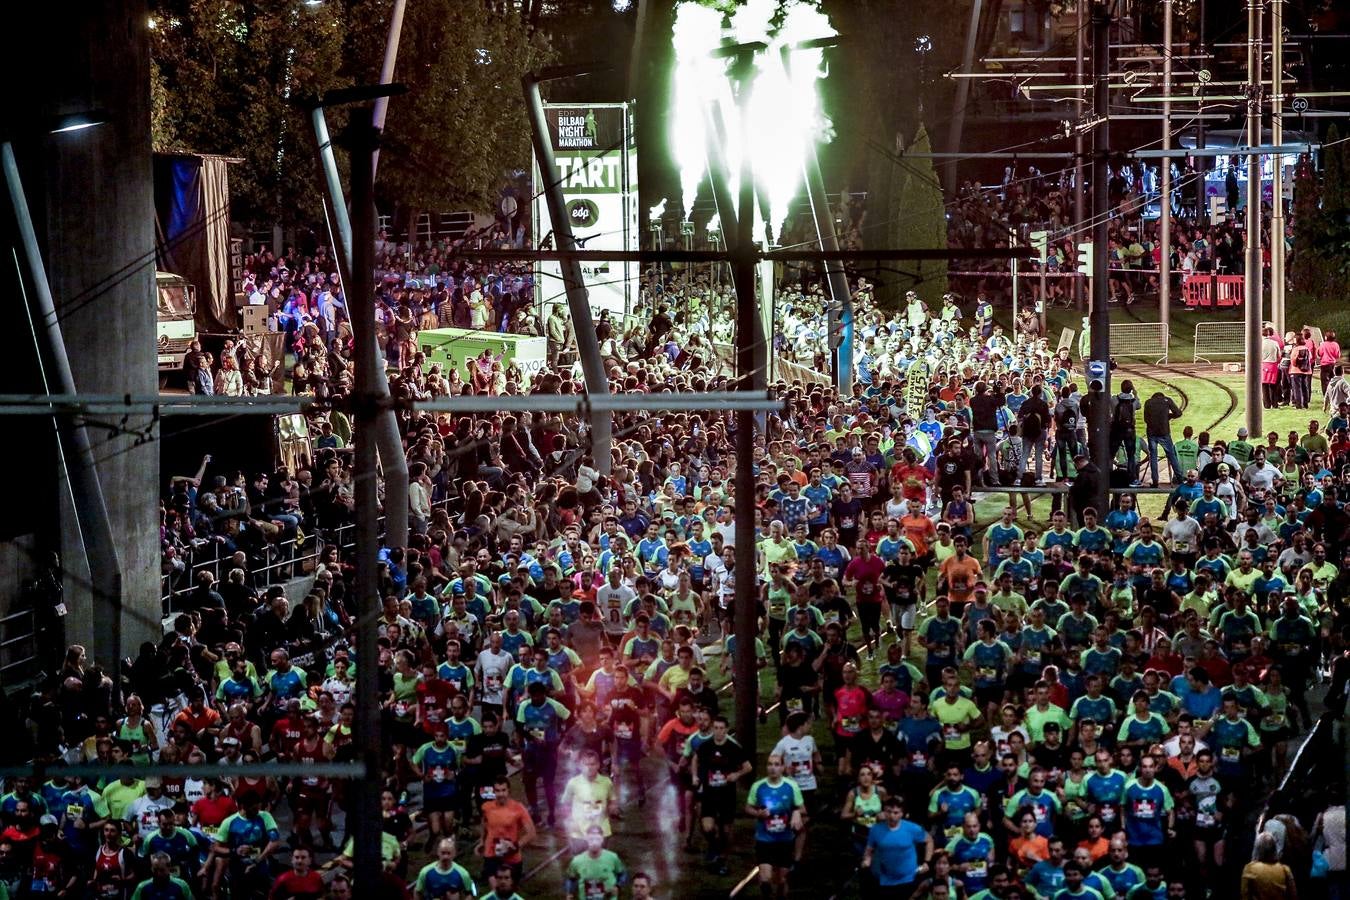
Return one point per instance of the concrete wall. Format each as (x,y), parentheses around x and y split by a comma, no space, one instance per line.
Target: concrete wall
(91,198)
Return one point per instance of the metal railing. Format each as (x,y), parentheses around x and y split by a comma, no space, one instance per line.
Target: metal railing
(18,646)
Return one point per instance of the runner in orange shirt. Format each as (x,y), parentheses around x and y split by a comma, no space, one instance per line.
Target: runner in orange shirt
(961,572)
(507,829)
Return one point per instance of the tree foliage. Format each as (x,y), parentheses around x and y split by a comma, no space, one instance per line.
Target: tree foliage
(463,123)
(1319,263)
(919,219)
(223,77)
(225,72)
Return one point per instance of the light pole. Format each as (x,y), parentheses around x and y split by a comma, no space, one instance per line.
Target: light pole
(1277,285)
(1252,284)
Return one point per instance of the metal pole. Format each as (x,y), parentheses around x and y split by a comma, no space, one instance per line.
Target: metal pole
(77,455)
(1165,206)
(1099,426)
(1201,162)
(746,620)
(389,442)
(835,278)
(963,91)
(365,810)
(1277,250)
(1079,143)
(387,77)
(578,299)
(1012,241)
(1252,294)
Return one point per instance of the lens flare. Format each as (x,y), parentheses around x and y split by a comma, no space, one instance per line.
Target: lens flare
(783,101)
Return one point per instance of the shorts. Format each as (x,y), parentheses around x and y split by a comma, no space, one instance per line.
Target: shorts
(993,693)
(869,616)
(440,801)
(306,802)
(718,804)
(808,803)
(908,614)
(1209,836)
(777,854)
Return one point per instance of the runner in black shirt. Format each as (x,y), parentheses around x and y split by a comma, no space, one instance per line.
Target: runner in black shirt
(718,764)
(876,745)
(798,684)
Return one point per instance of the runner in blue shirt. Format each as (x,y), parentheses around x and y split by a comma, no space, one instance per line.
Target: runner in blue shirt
(897,849)
(777,806)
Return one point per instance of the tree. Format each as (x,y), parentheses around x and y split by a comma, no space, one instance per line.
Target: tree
(1306,266)
(462,125)
(223,77)
(919,218)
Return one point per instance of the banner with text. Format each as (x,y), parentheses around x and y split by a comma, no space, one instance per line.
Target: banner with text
(596,152)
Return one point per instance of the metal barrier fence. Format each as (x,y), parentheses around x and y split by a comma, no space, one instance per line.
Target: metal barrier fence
(1140,340)
(1214,339)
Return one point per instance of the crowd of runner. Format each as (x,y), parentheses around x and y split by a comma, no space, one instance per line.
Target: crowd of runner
(1089,707)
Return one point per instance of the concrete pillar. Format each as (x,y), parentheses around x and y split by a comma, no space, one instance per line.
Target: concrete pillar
(92,205)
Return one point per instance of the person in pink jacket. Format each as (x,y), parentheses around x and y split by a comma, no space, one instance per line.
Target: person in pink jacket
(1328,357)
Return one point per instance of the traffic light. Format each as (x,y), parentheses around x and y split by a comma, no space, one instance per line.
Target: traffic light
(1218,210)
(1041,241)
(1085,257)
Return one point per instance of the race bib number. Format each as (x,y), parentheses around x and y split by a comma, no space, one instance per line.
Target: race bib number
(1230,754)
(1041,812)
(1033,657)
(492,683)
(1145,809)
(537,734)
(951,831)
(794,705)
(717,779)
(401,709)
(438,774)
(919,760)
(1204,819)
(623,731)
(776,824)
(1108,812)
(310,782)
(74,810)
(987,673)
(487,792)
(977,868)
(850,724)
(1276,720)
(832,618)
(502,847)
(951,733)
(595,890)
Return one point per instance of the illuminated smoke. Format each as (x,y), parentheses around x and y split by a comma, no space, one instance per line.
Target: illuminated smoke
(784,109)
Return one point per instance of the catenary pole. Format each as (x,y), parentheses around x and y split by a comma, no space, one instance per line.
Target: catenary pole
(1099,425)
(746,600)
(1165,202)
(1253,292)
(578,298)
(1277,250)
(365,812)
(1079,141)
(389,442)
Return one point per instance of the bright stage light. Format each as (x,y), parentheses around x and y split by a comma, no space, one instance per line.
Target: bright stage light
(622,6)
(783,96)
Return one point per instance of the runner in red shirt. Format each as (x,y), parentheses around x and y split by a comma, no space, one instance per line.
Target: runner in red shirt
(433,698)
(301,882)
(863,573)
(310,797)
(214,807)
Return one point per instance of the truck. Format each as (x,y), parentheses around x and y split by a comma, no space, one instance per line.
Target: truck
(175,321)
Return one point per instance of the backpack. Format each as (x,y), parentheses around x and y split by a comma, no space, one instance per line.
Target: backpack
(1122,418)
(1067,418)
